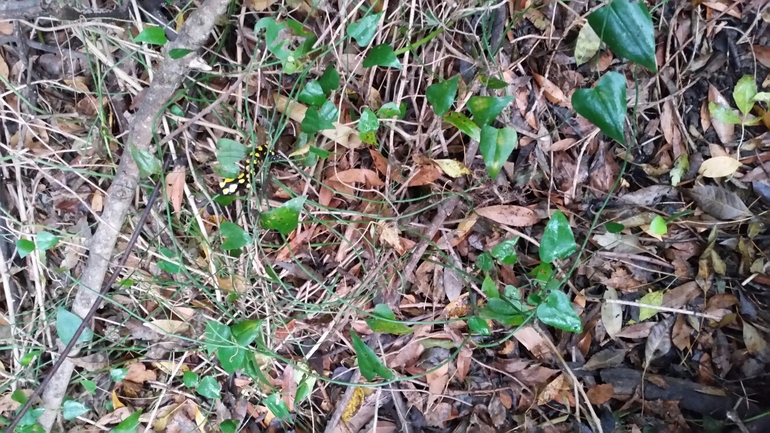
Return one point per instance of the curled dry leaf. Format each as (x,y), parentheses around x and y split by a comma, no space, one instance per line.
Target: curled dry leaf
(552,92)
(659,340)
(514,216)
(725,131)
(719,202)
(719,166)
(425,175)
(612,314)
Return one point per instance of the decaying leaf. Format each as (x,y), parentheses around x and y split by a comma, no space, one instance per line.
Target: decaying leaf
(719,166)
(659,340)
(605,359)
(514,216)
(600,394)
(725,131)
(719,202)
(612,314)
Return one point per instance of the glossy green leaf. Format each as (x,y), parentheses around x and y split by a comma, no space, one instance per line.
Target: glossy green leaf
(30,420)
(147,163)
(246,331)
(542,273)
(118,374)
(502,311)
(658,226)
(485,109)
(479,326)
(493,83)
(228,426)
(761,97)
(45,241)
(389,110)
(278,36)
(626,27)
(277,406)
(614,227)
(209,388)
(19,397)
(654,299)
(388,326)
(368,125)
(312,94)
(235,236)
(216,336)
(72,409)
(496,145)
(442,95)
(489,288)
(330,80)
(229,154)
(285,218)
(558,240)
(178,53)
(724,114)
(24,247)
(587,45)
(89,386)
(557,311)
(484,262)
(464,124)
(505,251)
(305,387)
(128,425)
(363,30)
(604,105)
(382,55)
(66,325)
(744,92)
(190,379)
(319,119)
(152,35)
(368,362)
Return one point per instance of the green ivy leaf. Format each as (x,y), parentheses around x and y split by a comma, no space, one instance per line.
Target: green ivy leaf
(493,83)
(558,240)
(217,336)
(363,30)
(66,325)
(464,124)
(89,386)
(152,35)
(45,241)
(605,104)
(489,288)
(320,119)
(485,109)
(479,326)
(30,420)
(312,94)
(168,266)
(724,114)
(209,388)
(505,251)
(557,311)
(147,163)
(496,145)
(190,379)
(542,273)
(744,92)
(19,397)
(285,218)
(502,311)
(626,27)
(368,122)
(484,262)
(228,426)
(129,424)
(277,406)
(229,154)
(368,361)
(178,53)
(613,227)
(382,55)
(330,80)
(442,95)
(235,236)
(382,311)
(24,246)
(388,110)
(658,226)
(246,331)
(72,409)
(654,299)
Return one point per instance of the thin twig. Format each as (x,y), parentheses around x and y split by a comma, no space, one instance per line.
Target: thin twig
(661,308)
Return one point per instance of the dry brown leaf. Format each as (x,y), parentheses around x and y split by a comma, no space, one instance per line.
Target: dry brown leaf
(175,187)
(719,166)
(705,116)
(173,327)
(260,5)
(464,362)
(612,314)
(514,216)
(680,296)
(342,134)
(637,330)
(389,235)
(357,175)
(533,341)
(755,343)
(604,170)
(382,165)
(114,417)
(559,146)
(6,28)
(605,359)
(659,340)
(600,394)
(437,381)
(762,54)
(425,175)
(680,334)
(551,391)
(725,131)
(552,92)
(94,362)
(138,373)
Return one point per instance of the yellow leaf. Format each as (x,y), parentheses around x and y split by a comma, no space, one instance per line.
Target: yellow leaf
(116,403)
(719,166)
(452,168)
(653,299)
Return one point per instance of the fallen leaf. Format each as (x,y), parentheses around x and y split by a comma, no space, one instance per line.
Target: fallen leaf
(389,235)
(533,341)
(552,92)
(357,175)
(606,358)
(587,45)
(659,340)
(600,394)
(425,175)
(612,314)
(719,202)
(680,296)
(680,334)
(174,327)
(637,330)
(514,216)
(551,391)
(175,187)
(725,131)
(762,54)
(755,343)
(342,134)
(653,299)
(719,166)
(138,373)
(452,168)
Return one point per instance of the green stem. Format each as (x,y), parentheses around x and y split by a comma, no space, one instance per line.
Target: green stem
(421,42)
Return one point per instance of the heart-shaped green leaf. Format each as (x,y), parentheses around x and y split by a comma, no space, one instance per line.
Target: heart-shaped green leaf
(486,108)
(442,95)
(285,218)
(229,154)
(744,92)
(235,236)
(496,145)
(626,27)
(363,30)
(558,240)
(464,124)
(557,311)
(382,55)
(312,94)
(604,105)
(479,326)
(330,80)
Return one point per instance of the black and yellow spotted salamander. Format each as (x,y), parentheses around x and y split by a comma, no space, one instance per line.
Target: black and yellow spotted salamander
(257,157)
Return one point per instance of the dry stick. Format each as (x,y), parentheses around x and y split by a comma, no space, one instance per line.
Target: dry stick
(334,421)
(192,36)
(661,308)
